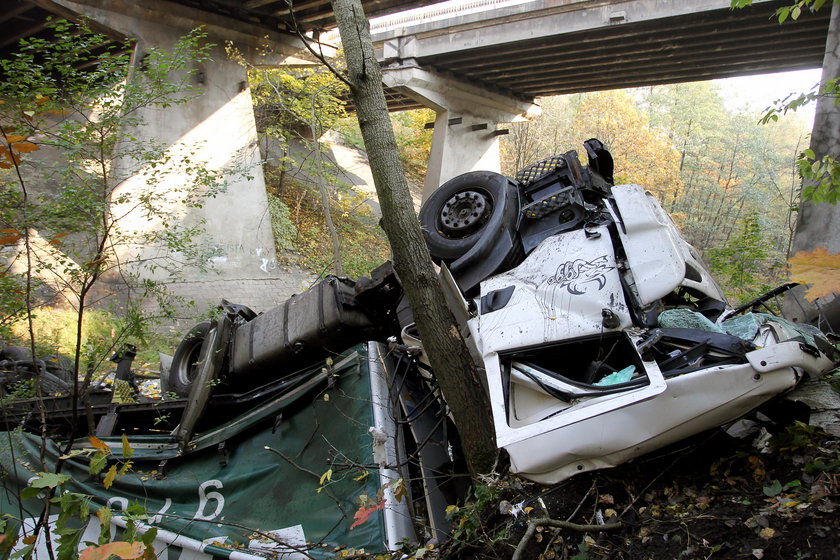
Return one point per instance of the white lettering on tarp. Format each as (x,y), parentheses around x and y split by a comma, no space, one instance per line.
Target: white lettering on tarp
(203,498)
(157,518)
(114,500)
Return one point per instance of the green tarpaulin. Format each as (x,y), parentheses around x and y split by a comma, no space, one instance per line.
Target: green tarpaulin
(224,496)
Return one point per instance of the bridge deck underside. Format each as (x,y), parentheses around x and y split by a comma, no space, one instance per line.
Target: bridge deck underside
(716,44)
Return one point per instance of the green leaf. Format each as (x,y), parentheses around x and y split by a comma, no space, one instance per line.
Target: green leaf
(149,536)
(97,463)
(25,552)
(783,14)
(50,480)
(104,516)
(773,489)
(29,493)
(68,544)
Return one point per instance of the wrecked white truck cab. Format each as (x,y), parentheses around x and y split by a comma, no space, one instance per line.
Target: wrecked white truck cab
(601,333)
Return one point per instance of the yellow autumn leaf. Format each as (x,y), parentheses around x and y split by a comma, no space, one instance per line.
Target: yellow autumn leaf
(110,476)
(362,476)
(26,147)
(104,515)
(819,269)
(400,490)
(327,476)
(120,549)
(767,533)
(99,444)
(127,451)
(10,236)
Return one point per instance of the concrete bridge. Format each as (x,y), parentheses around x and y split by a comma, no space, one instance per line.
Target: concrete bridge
(514,52)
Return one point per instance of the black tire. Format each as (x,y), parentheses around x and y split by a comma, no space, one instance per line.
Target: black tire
(465,208)
(52,385)
(184,363)
(60,366)
(16,353)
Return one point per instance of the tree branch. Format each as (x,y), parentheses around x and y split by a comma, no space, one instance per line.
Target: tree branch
(548,522)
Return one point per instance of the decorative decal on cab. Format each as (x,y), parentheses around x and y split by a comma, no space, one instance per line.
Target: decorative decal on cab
(578,276)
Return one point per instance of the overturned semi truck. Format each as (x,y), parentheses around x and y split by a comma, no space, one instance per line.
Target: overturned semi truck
(600,333)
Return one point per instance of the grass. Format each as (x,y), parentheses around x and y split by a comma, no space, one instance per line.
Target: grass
(102,333)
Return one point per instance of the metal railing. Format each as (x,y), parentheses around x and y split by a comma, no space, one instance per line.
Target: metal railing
(444,10)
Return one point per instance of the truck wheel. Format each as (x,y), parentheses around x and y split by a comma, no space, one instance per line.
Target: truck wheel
(459,213)
(60,366)
(185,361)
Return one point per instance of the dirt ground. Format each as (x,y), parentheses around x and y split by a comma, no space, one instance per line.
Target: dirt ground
(714,496)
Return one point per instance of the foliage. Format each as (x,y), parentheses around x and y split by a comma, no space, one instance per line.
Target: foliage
(73,223)
(793,10)
(285,100)
(295,107)
(12,308)
(281,224)
(819,269)
(414,141)
(642,155)
(743,262)
(363,243)
(74,512)
(78,192)
(821,177)
(56,333)
(470,521)
(349,132)
(734,171)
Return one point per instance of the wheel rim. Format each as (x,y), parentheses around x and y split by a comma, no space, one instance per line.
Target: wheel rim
(465,213)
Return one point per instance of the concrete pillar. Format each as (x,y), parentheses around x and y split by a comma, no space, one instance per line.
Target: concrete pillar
(465,135)
(819,224)
(218,128)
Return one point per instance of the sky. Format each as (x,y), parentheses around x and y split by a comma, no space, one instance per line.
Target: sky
(759,92)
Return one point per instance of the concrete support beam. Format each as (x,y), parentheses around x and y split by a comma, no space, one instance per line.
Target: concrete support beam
(819,224)
(218,128)
(126,15)
(465,132)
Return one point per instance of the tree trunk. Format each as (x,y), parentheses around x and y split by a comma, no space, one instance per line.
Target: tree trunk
(454,369)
